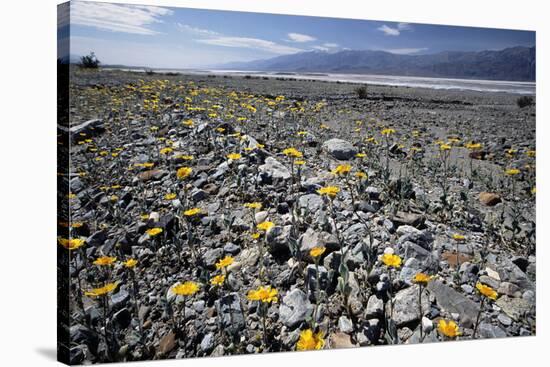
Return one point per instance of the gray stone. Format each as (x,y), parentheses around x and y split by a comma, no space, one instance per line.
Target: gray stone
(340,149)
(311,278)
(405,305)
(516,308)
(310,202)
(295,308)
(345,325)
(273,169)
(375,307)
(230,311)
(212,256)
(119,299)
(504,320)
(452,301)
(508,289)
(277,239)
(487,330)
(207,343)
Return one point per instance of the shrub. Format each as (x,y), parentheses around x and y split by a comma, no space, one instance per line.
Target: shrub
(89,61)
(361,92)
(524,101)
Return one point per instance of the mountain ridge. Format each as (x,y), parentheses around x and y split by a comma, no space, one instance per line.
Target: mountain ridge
(513,63)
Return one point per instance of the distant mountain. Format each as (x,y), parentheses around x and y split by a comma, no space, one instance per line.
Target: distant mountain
(513,64)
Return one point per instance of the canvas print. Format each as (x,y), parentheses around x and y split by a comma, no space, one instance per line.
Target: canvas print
(242,183)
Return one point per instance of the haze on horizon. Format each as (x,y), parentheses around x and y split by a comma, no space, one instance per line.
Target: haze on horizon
(169,37)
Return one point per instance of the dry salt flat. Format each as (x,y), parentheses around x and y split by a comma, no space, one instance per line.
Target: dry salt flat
(218,215)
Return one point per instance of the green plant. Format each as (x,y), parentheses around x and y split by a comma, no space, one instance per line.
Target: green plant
(89,61)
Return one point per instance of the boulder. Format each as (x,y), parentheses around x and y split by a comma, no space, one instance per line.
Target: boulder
(340,149)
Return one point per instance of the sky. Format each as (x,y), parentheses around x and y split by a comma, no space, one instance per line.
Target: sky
(169,37)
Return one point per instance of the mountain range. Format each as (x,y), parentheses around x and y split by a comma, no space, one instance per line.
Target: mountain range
(513,64)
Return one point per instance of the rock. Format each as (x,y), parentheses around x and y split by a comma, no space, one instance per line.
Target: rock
(272,169)
(80,334)
(515,308)
(151,175)
(510,272)
(340,149)
(230,311)
(340,340)
(167,343)
(412,234)
(309,240)
(508,289)
(345,325)
(119,299)
(487,330)
(212,256)
(489,198)
(207,343)
(405,305)
(452,301)
(231,249)
(504,320)
(89,128)
(491,282)
(428,260)
(371,330)
(311,278)
(123,318)
(375,307)
(277,239)
(310,203)
(96,239)
(410,219)
(427,324)
(295,308)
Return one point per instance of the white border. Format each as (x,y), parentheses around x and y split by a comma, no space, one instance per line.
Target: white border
(28,120)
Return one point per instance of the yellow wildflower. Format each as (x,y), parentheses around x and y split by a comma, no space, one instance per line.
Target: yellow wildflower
(448,328)
(154,231)
(263,294)
(422,278)
(265,226)
(218,280)
(255,205)
(101,291)
(391,260)
(104,260)
(292,152)
(341,170)
(310,341)
(186,289)
(170,196)
(234,156)
(317,251)
(512,172)
(486,291)
(183,172)
(192,212)
(330,191)
(225,262)
(71,243)
(130,263)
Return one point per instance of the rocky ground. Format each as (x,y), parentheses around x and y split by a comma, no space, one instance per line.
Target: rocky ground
(445,180)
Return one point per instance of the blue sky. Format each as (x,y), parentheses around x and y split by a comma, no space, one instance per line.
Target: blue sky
(168,37)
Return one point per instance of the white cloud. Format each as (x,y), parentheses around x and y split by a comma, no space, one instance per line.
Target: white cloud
(134,19)
(213,38)
(405,51)
(198,31)
(331,45)
(389,31)
(246,42)
(298,37)
(395,31)
(404,27)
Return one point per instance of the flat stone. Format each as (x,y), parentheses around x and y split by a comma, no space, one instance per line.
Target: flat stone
(405,305)
(345,325)
(515,308)
(487,330)
(340,340)
(167,343)
(375,307)
(489,198)
(452,301)
(340,149)
(295,308)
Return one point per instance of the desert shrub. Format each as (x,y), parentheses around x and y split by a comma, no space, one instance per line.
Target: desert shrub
(361,92)
(89,61)
(524,101)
